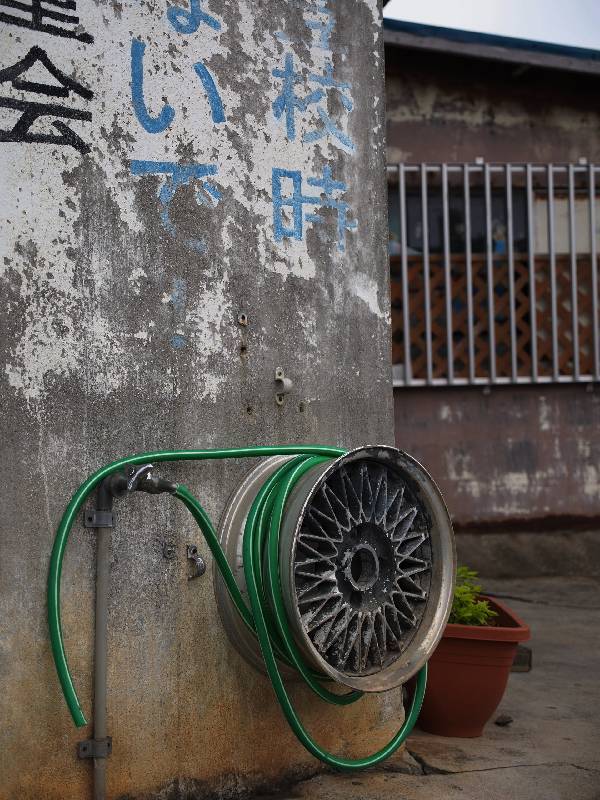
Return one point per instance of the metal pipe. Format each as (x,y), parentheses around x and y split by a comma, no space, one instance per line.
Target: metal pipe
(553,292)
(594,259)
(511,274)
(103,546)
(490,272)
(532,286)
(574,286)
(469,266)
(447,274)
(103,542)
(405,297)
(425,234)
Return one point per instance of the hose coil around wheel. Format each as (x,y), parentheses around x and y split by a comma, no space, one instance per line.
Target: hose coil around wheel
(266,616)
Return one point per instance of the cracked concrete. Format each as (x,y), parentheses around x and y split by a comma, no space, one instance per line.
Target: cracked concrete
(550,751)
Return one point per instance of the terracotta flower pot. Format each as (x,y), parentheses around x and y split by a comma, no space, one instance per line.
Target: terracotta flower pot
(468,673)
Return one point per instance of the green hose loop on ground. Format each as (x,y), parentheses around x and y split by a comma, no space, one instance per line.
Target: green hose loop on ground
(267,616)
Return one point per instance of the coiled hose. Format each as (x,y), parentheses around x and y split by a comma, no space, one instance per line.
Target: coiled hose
(266,615)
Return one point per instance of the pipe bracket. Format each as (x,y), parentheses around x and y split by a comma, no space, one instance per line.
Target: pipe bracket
(197,560)
(98,519)
(95,748)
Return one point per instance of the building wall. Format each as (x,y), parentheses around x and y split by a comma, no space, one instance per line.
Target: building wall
(444,108)
(120,333)
(516,454)
(524,454)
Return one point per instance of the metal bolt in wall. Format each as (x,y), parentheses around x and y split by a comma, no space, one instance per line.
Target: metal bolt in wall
(169,550)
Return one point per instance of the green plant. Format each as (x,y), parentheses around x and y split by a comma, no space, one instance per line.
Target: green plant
(467,609)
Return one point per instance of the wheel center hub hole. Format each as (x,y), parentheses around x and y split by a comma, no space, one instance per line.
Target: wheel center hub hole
(363,567)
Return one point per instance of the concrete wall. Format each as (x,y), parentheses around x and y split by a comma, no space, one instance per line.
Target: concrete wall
(447,108)
(120,333)
(523,456)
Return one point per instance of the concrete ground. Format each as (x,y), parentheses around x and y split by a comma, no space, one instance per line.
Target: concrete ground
(551,749)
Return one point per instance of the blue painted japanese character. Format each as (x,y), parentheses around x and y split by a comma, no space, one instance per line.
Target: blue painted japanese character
(288,102)
(185,21)
(167,113)
(329,196)
(180,175)
(327,81)
(148,122)
(328,127)
(323,27)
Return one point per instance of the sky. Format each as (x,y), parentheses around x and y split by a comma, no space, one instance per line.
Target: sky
(571,22)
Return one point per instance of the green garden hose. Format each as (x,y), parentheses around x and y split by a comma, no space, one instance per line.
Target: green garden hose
(266,615)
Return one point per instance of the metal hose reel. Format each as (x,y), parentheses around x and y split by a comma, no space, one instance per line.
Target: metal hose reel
(366,561)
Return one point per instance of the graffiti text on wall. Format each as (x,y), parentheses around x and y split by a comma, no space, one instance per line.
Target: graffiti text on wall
(184,21)
(329,196)
(300,91)
(58,132)
(32,110)
(56,20)
(180,175)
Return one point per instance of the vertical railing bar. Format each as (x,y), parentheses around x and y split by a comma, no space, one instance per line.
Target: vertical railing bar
(595,287)
(574,286)
(490,272)
(532,286)
(469,265)
(404,268)
(552,251)
(425,226)
(447,274)
(511,273)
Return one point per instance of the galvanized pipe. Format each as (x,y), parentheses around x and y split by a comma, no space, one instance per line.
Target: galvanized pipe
(447,273)
(103,546)
(532,287)
(594,259)
(553,289)
(405,297)
(574,286)
(103,542)
(511,274)
(425,229)
(469,267)
(490,272)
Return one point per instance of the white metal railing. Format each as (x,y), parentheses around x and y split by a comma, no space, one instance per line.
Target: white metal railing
(494,271)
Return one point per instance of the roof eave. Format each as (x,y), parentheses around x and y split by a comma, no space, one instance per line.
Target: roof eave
(491,52)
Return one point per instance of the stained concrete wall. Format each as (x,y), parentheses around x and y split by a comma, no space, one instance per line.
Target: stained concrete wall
(449,108)
(123,278)
(524,456)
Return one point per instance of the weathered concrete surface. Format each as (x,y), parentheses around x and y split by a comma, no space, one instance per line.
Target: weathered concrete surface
(549,751)
(448,108)
(523,554)
(516,453)
(120,334)
(529,783)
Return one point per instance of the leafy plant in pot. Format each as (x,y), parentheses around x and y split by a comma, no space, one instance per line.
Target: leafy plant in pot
(469,669)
